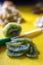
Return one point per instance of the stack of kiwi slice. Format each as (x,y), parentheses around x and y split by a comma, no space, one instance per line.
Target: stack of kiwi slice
(21,46)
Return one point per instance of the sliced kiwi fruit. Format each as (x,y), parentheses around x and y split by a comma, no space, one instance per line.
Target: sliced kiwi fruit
(20,48)
(24,40)
(12,29)
(32,52)
(14,54)
(14,43)
(19,41)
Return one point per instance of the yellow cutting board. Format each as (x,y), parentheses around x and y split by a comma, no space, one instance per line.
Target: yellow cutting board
(27,25)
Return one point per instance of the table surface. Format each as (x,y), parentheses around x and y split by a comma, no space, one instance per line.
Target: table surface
(27,25)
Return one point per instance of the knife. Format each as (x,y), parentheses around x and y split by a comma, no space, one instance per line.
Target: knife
(29,34)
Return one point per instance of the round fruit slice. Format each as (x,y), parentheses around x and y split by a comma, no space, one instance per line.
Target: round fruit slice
(19,41)
(14,54)
(33,52)
(14,43)
(12,29)
(24,40)
(20,48)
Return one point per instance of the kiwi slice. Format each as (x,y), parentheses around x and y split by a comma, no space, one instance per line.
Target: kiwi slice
(14,43)
(20,48)
(19,41)
(14,54)
(12,29)
(24,40)
(32,52)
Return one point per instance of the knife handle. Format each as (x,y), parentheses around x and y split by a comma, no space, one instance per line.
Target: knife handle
(4,40)
(33,33)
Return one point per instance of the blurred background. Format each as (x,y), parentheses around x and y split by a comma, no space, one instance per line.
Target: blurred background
(23,2)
